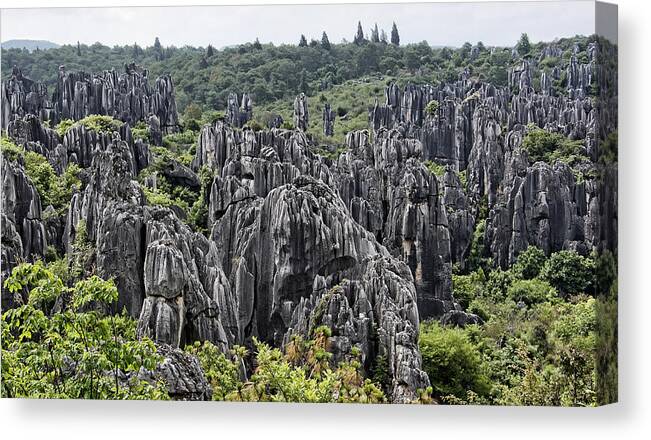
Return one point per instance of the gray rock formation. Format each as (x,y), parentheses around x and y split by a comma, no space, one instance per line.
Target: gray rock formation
(127,96)
(24,237)
(238,113)
(301,112)
(328,120)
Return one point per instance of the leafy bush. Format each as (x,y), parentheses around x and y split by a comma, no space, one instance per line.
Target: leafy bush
(10,150)
(453,364)
(100,123)
(141,131)
(54,190)
(529,263)
(531,291)
(437,169)
(63,127)
(468,287)
(432,107)
(569,272)
(72,354)
(302,374)
(543,145)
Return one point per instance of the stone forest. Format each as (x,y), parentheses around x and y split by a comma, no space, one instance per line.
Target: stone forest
(360,222)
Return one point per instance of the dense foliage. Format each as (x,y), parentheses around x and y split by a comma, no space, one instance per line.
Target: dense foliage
(205,76)
(303,373)
(535,346)
(62,344)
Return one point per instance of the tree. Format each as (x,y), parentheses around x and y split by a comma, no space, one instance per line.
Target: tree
(136,51)
(453,364)
(78,49)
(383,37)
(325,42)
(257,45)
(569,272)
(465,50)
(359,36)
(375,34)
(303,41)
(529,263)
(78,351)
(524,46)
(158,50)
(531,291)
(395,38)
(210,51)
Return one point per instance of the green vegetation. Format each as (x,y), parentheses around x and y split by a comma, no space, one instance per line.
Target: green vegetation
(77,352)
(193,203)
(54,190)
(452,363)
(569,272)
(432,107)
(437,169)
(535,347)
(270,73)
(542,145)
(10,150)
(98,123)
(303,373)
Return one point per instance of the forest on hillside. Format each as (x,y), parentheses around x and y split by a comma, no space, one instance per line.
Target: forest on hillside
(363,221)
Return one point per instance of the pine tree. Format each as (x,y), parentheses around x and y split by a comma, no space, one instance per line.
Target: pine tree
(375,34)
(325,42)
(383,37)
(158,49)
(137,50)
(210,51)
(524,46)
(395,38)
(78,49)
(359,36)
(303,42)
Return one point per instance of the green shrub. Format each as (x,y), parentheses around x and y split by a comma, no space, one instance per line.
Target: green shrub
(437,169)
(100,123)
(73,353)
(531,291)
(432,107)
(569,272)
(54,190)
(10,150)
(468,287)
(529,263)
(63,127)
(453,364)
(543,145)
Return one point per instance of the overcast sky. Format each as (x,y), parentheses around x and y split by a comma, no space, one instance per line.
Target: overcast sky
(449,24)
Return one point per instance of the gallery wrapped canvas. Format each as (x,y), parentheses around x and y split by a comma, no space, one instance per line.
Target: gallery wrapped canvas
(379,211)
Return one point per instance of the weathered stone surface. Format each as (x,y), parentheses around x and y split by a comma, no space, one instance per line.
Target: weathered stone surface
(182,374)
(461,221)
(301,116)
(238,113)
(328,120)
(458,318)
(22,210)
(127,96)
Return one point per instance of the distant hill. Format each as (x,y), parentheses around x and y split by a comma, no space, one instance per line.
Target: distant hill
(29,44)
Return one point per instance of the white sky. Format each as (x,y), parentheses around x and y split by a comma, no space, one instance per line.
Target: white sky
(449,24)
